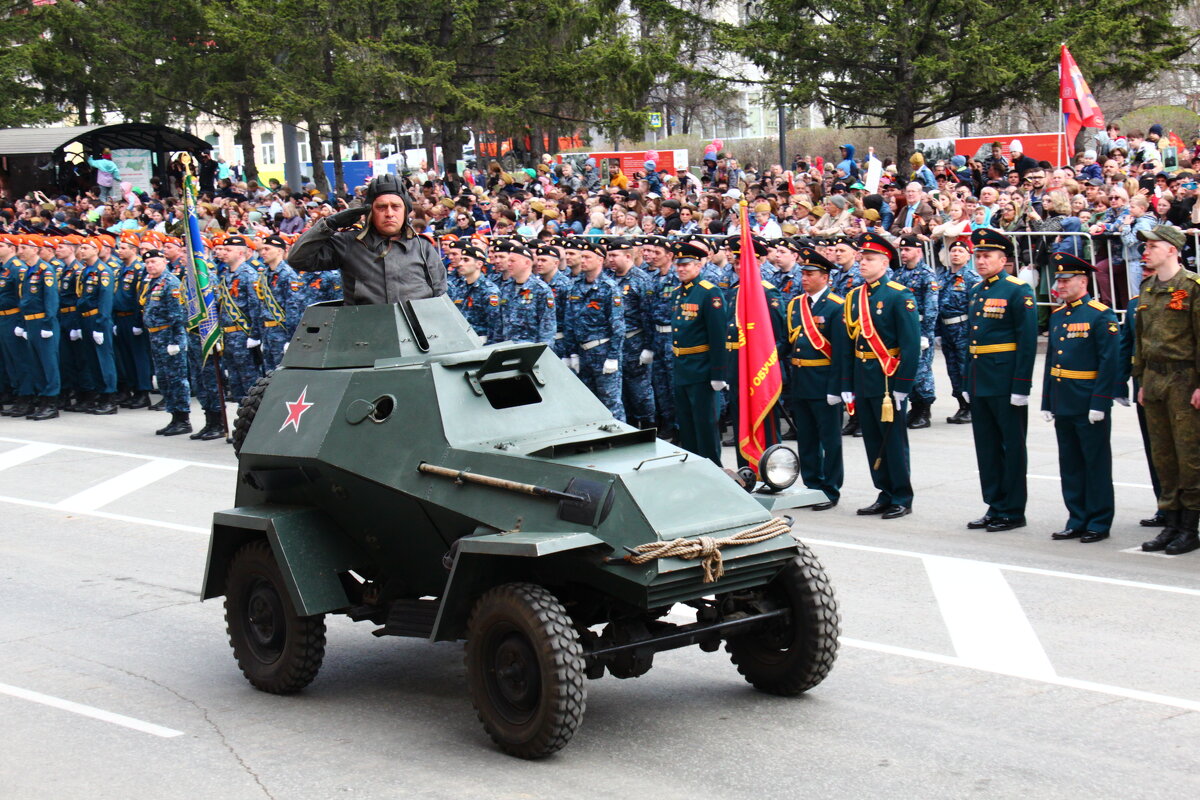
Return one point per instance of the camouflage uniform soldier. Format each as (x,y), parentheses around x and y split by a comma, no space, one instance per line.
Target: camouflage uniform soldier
(547,263)
(241,318)
(657,252)
(165,318)
(1166,363)
(526,304)
(919,278)
(596,329)
(637,355)
(955,283)
(475,295)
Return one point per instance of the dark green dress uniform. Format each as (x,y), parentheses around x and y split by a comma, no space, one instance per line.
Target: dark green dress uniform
(698,344)
(814,378)
(1003,335)
(1167,365)
(893,314)
(1082,374)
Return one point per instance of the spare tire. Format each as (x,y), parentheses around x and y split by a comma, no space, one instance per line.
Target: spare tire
(247,409)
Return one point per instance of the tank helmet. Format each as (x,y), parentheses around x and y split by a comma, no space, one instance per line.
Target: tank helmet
(388,184)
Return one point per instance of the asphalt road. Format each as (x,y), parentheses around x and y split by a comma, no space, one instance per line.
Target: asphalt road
(972,664)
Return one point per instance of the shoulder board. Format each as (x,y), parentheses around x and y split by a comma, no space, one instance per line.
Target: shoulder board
(1196,278)
(1058,309)
(896,285)
(1011,279)
(768,285)
(707,285)
(1096,304)
(836,299)
(1135,297)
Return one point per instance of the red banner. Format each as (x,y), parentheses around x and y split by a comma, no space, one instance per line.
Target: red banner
(1078,105)
(759,380)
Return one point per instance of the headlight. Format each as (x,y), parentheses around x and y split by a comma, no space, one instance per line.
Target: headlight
(779,467)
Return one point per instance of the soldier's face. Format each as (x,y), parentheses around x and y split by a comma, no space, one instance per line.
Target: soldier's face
(519,267)
(64,252)
(544,265)
(388,214)
(910,255)
(1071,287)
(872,265)
(959,256)
(469,267)
(126,251)
(155,266)
(989,262)
(813,280)
(843,254)
(1158,254)
(28,253)
(688,270)
(87,252)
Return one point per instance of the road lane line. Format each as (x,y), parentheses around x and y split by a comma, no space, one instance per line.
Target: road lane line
(118,486)
(155,523)
(90,711)
(1070,683)
(1050,573)
(985,620)
(28,452)
(122,453)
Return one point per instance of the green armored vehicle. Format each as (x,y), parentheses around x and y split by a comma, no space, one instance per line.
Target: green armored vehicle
(394,471)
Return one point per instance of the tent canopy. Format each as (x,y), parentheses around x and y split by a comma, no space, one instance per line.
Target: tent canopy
(130,135)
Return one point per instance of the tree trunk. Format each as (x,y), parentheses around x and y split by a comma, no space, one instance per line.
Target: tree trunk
(905,147)
(320,179)
(452,141)
(429,144)
(245,132)
(339,175)
(667,121)
(81,107)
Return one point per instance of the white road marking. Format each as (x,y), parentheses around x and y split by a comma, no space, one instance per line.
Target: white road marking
(154,523)
(118,486)
(122,453)
(28,452)
(1138,551)
(90,711)
(1054,680)
(985,620)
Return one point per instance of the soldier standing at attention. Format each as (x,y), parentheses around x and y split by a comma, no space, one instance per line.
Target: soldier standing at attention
(1003,320)
(596,328)
(819,347)
(1128,324)
(475,295)
(96,321)
(241,317)
(699,326)
(18,357)
(1166,363)
(1082,373)
(656,251)
(526,303)
(921,281)
(39,320)
(955,283)
(547,263)
(166,322)
(885,340)
(131,347)
(637,355)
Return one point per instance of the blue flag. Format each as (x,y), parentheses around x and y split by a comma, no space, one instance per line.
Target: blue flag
(199,297)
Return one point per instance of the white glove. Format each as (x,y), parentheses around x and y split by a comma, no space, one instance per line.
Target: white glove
(1048,416)
(1095,416)
(252,343)
(1122,401)
(898,398)
(47,334)
(646,357)
(285,346)
(610,366)
(76,334)
(573,363)
(924,343)
(847,397)
(1019,399)
(966,397)
(172,349)
(718,386)
(114,330)
(832,399)
(137,331)
(98,337)
(19,332)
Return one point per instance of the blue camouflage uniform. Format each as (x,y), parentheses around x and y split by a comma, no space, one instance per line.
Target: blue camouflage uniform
(527,312)
(954,292)
(561,285)
(284,282)
(131,346)
(39,314)
(662,309)
(274,320)
(924,285)
(637,394)
(479,302)
(18,357)
(95,304)
(595,332)
(166,320)
(241,319)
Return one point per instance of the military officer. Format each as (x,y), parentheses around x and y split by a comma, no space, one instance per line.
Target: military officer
(955,283)
(548,265)
(596,328)
(1081,377)
(846,274)
(39,325)
(76,380)
(130,344)
(1003,336)
(18,357)
(1158,519)
(698,340)
(818,348)
(637,354)
(921,281)
(475,295)
(96,325)
(241,317)
(785,275)
(527,312)
(885,339)
(1167,365)
(166,322)
(281,279)
(656,250)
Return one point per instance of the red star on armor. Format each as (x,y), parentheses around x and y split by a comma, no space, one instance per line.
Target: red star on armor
(295,410)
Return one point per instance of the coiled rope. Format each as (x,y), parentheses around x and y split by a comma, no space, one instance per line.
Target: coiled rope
(707,548)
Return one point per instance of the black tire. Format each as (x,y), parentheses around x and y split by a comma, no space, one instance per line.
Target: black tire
(793,658)
(277,650)
(247,409)
(533,708)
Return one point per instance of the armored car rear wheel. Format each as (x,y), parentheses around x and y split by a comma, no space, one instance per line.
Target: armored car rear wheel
(278,650)
(525,669)
(792,658)
(247,409)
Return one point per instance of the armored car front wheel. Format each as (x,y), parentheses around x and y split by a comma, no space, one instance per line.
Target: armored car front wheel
(792,657)
(278,650)
(525,669)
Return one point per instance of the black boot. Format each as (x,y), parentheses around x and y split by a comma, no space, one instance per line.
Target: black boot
(104,405)
(180,423)
(1166,535)
(23,407)
(963,415)
(851,427)
(47,408)
(1157,521)
(139,400)
(123,398)
(1189,533)
(212,427)
(159,405)
(918,416)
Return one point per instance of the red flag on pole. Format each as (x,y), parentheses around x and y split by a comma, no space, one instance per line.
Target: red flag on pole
(759,380)
(1078,104)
